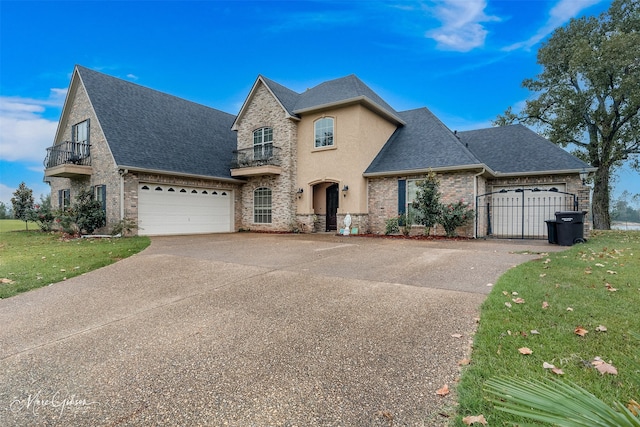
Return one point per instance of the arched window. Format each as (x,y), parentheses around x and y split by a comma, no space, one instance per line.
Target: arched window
(323,129)
(262,205)
(262,143)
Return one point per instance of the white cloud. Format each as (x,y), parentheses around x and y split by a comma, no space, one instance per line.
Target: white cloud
(561,13)
(461,28)
(25,133)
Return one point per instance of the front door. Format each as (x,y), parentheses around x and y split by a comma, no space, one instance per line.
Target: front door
(332,207)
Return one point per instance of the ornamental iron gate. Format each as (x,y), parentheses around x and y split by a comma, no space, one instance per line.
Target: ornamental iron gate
(520,213)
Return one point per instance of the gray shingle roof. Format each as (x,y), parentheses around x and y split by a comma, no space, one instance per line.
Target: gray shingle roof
(344,89)
(286,96)
(517,149)
(148,129)
(423,143)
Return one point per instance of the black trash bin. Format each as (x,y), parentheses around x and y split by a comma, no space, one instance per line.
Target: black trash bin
(552,231)
(570,227)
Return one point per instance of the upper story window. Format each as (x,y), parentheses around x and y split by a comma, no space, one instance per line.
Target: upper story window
(262,143)
(80,132)
(323,129)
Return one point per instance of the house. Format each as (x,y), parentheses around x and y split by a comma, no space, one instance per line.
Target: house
(293,160)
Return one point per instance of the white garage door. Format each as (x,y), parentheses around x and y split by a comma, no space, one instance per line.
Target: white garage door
(165,209)
(518,213)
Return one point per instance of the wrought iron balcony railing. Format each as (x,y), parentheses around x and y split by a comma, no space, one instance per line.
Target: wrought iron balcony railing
(256,156)
(68,153)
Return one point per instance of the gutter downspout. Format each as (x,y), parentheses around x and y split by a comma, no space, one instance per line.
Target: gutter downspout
(475,200)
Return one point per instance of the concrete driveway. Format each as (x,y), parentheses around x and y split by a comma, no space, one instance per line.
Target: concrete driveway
(251,330)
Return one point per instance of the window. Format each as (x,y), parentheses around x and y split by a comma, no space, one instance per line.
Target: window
(64,198)
(324,132)
(262,143)
(80,132)
(79,142)
(411,194)
(100,194)
(262,205)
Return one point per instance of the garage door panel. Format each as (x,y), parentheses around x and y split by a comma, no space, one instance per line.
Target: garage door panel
(184,210)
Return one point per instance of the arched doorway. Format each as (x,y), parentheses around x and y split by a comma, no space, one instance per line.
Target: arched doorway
(332,198)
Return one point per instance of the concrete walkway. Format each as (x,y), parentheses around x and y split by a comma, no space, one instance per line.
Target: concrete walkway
(251,330)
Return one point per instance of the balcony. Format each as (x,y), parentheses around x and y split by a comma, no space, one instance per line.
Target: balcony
(68,159)
(259,160)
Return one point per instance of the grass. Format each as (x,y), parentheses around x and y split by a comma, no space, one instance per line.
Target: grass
(589,285)
(32,259)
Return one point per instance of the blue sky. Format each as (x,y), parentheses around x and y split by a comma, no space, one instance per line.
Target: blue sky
(463,59)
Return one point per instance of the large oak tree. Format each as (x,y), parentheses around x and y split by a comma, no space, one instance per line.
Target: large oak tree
(588,94)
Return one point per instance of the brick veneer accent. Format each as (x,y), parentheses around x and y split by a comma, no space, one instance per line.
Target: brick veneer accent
(263,110)
(383,199)
(103,167)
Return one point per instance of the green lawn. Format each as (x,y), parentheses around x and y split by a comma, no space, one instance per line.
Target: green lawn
(32,259)
(541,305)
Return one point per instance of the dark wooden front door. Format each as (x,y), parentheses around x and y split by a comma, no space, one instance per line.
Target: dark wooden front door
(332,207)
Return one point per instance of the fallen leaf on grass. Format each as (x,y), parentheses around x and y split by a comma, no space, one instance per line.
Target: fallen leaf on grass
(604,367)
(508,304)
(611,272)
(557,371)
(610,288)
(634,407)
(525,350)
(472,419)
(599,265)
(601,328)
(518,300)
(443,391)
(543,274)
(535,332)
(569,309)
(545,305)
(6,281)
(580,331)
(546,365)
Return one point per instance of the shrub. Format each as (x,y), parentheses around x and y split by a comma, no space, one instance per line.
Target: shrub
(427,202)
(455,215)
(391,225)
(124,227)
(89,213)
(42,214)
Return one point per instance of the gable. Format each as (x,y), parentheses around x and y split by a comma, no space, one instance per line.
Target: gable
(155,131)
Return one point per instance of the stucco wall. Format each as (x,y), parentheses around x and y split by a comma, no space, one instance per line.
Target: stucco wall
(359,134)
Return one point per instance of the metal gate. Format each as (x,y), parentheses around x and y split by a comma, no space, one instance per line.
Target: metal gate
(520,213)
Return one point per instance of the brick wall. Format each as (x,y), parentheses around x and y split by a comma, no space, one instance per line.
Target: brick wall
(103,167)
(263,110)
(383,199)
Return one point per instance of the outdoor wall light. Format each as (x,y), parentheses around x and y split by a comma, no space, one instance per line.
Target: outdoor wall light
(344,190)
(299,192)
(584,175)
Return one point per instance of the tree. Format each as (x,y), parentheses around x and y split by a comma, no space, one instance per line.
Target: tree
(4,211)
(22,202)
(588,95)
(427,202)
